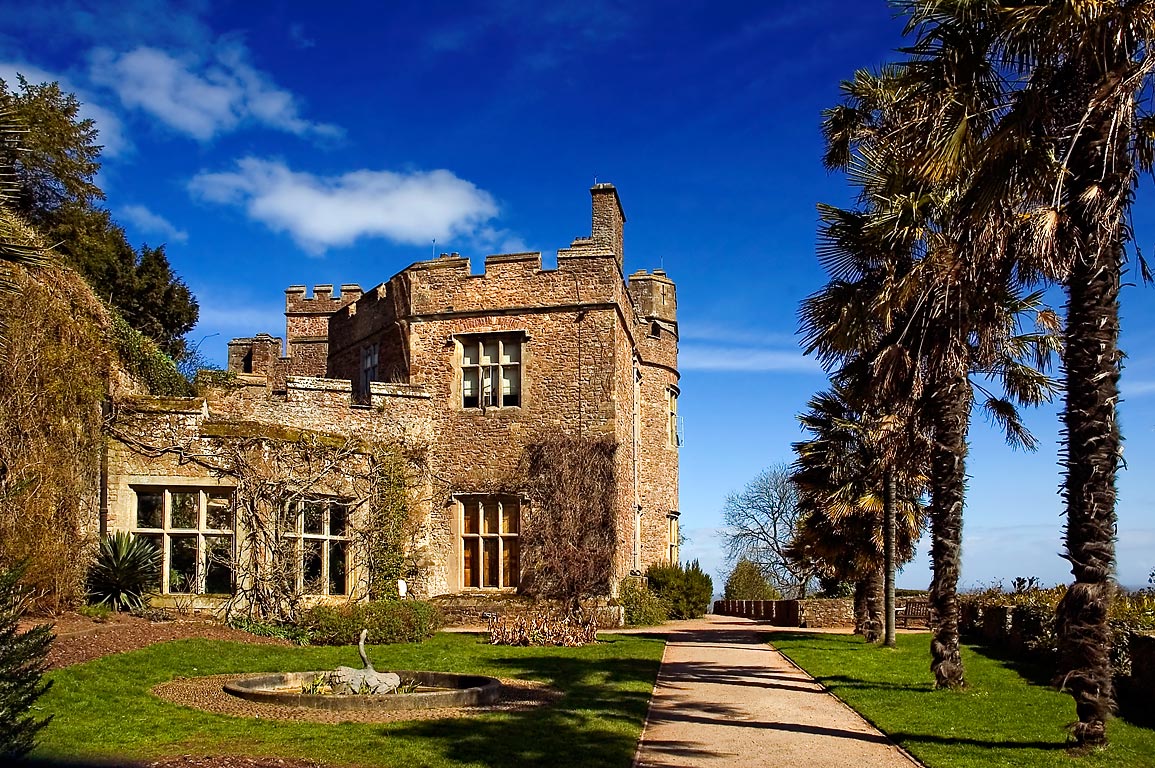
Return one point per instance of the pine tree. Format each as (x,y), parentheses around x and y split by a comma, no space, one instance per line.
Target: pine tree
(22,659)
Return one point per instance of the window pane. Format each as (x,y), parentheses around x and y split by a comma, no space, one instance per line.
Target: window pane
(314,517)
(311,572)
(489,551)
(184,510)
(472,573)
(218,565)
(489,352)
(337,568)
(471,516)
(511,563)
(469,352)
(219,515)
(338,519)
(511,386)
(509,516)
(490,516)
(510,352)
(492,384)
(470,386)
(149,509)
(182,564)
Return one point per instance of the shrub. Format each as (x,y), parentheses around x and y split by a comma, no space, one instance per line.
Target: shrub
(642,607)
(290,632)
(543,627)
(388,621)
(22,656)
(685,590)
(746,582)
(125,571)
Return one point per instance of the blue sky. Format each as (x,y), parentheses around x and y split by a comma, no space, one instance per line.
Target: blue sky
(276,143)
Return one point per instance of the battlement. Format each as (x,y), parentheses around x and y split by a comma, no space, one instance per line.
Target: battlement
(322,301)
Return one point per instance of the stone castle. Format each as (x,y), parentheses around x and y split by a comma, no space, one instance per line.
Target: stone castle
(472,368)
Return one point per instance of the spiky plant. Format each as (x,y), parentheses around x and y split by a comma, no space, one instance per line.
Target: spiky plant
(22,656)
(125,571)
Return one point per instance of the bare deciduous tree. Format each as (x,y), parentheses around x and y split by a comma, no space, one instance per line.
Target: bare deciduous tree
(760,523)
(569,536)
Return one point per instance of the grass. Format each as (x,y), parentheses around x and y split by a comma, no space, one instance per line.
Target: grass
(1007,716)
(102,709)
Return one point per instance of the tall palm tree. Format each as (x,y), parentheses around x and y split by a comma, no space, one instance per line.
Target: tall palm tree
(1070,138)
(911,286)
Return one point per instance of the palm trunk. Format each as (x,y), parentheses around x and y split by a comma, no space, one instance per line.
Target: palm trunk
(872,628)
(1092,457)
(951,413)
(888,532)
(860,590)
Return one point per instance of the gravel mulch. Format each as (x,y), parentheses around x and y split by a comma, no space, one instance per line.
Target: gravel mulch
(80,639)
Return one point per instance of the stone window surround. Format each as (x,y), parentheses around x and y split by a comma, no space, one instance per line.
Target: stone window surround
(167,532)
(324,539)
(674,521)
(501,539)
(504,362)
(673,433)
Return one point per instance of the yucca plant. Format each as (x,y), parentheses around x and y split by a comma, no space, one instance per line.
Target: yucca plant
(125,571)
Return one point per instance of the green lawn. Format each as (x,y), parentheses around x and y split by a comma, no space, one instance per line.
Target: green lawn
(1007,716)
(103,708)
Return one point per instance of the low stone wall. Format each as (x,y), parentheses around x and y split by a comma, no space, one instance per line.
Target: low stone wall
(827,612)
(472,609)
(818,612)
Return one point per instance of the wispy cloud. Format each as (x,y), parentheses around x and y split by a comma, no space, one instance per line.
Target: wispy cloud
(202,97)
(744,358)
(153,223)
(322,212)
(110,129)
(298,37)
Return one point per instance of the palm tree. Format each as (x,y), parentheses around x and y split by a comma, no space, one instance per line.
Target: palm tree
(909,289)
(1070,139)
(18,244)
(846,475)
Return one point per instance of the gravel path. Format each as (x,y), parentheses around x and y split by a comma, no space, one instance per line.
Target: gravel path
(726,698)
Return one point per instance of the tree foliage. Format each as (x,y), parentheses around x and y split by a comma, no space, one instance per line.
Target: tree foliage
(685,589)
(760,522)
(746,582)
(54,158)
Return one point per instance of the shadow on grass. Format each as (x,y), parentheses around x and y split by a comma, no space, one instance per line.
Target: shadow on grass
(591,726)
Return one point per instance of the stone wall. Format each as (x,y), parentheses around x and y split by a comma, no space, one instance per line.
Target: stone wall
(598,358)
(813,613)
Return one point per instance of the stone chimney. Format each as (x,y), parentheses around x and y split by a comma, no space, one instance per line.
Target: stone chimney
(608,220)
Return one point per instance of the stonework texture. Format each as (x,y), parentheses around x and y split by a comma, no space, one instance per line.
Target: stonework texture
(596,355)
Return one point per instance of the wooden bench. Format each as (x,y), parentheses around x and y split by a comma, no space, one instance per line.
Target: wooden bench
(914,610)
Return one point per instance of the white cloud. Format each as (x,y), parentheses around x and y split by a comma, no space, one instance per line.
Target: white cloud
(321,212)
(733,358)
(111,131)
(152,223)
(198,97)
